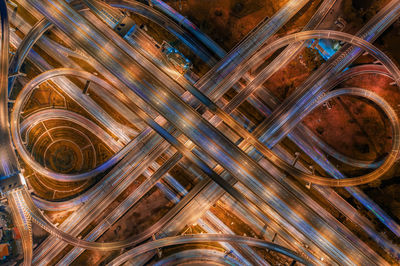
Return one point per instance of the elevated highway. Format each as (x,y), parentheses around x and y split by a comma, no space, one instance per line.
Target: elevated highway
(185,152)
(187,132)
(297,136)
(254,141)
(8,162)
(9,171)
(284,118)
(24,204)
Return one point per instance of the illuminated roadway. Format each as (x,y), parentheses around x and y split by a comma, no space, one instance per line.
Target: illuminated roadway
(227,119)
(284,118)
(168,24)
(202,238)
(297,136)
(199,256)
(33,85)
(62,114)
(222,86)
(362,197)
(8,161)
(105,246)
(15,128)
(243,133)
(318,181)
(343,76)
(67,86)
(24,203)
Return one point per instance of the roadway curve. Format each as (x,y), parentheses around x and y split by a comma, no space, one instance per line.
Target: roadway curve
(302,36)
(379,22)
(99,187)
(24,204)
(284,165)
(55,231)
(198,256)
(201,238)
(343,76)
(318,181)
(285,117)
(42,26)
(386,108)
(20,147)
(166,23)
(271,156)
(62,114)
(50,114)
(23,49)
(136,7)
(15,126)
(46,24)
(324,34)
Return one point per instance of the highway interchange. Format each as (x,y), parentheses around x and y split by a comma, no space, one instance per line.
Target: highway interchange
(250,167)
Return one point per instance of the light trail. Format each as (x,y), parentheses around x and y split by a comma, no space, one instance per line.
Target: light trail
(24,204)
(187,125)
(185,239)
(185,129)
